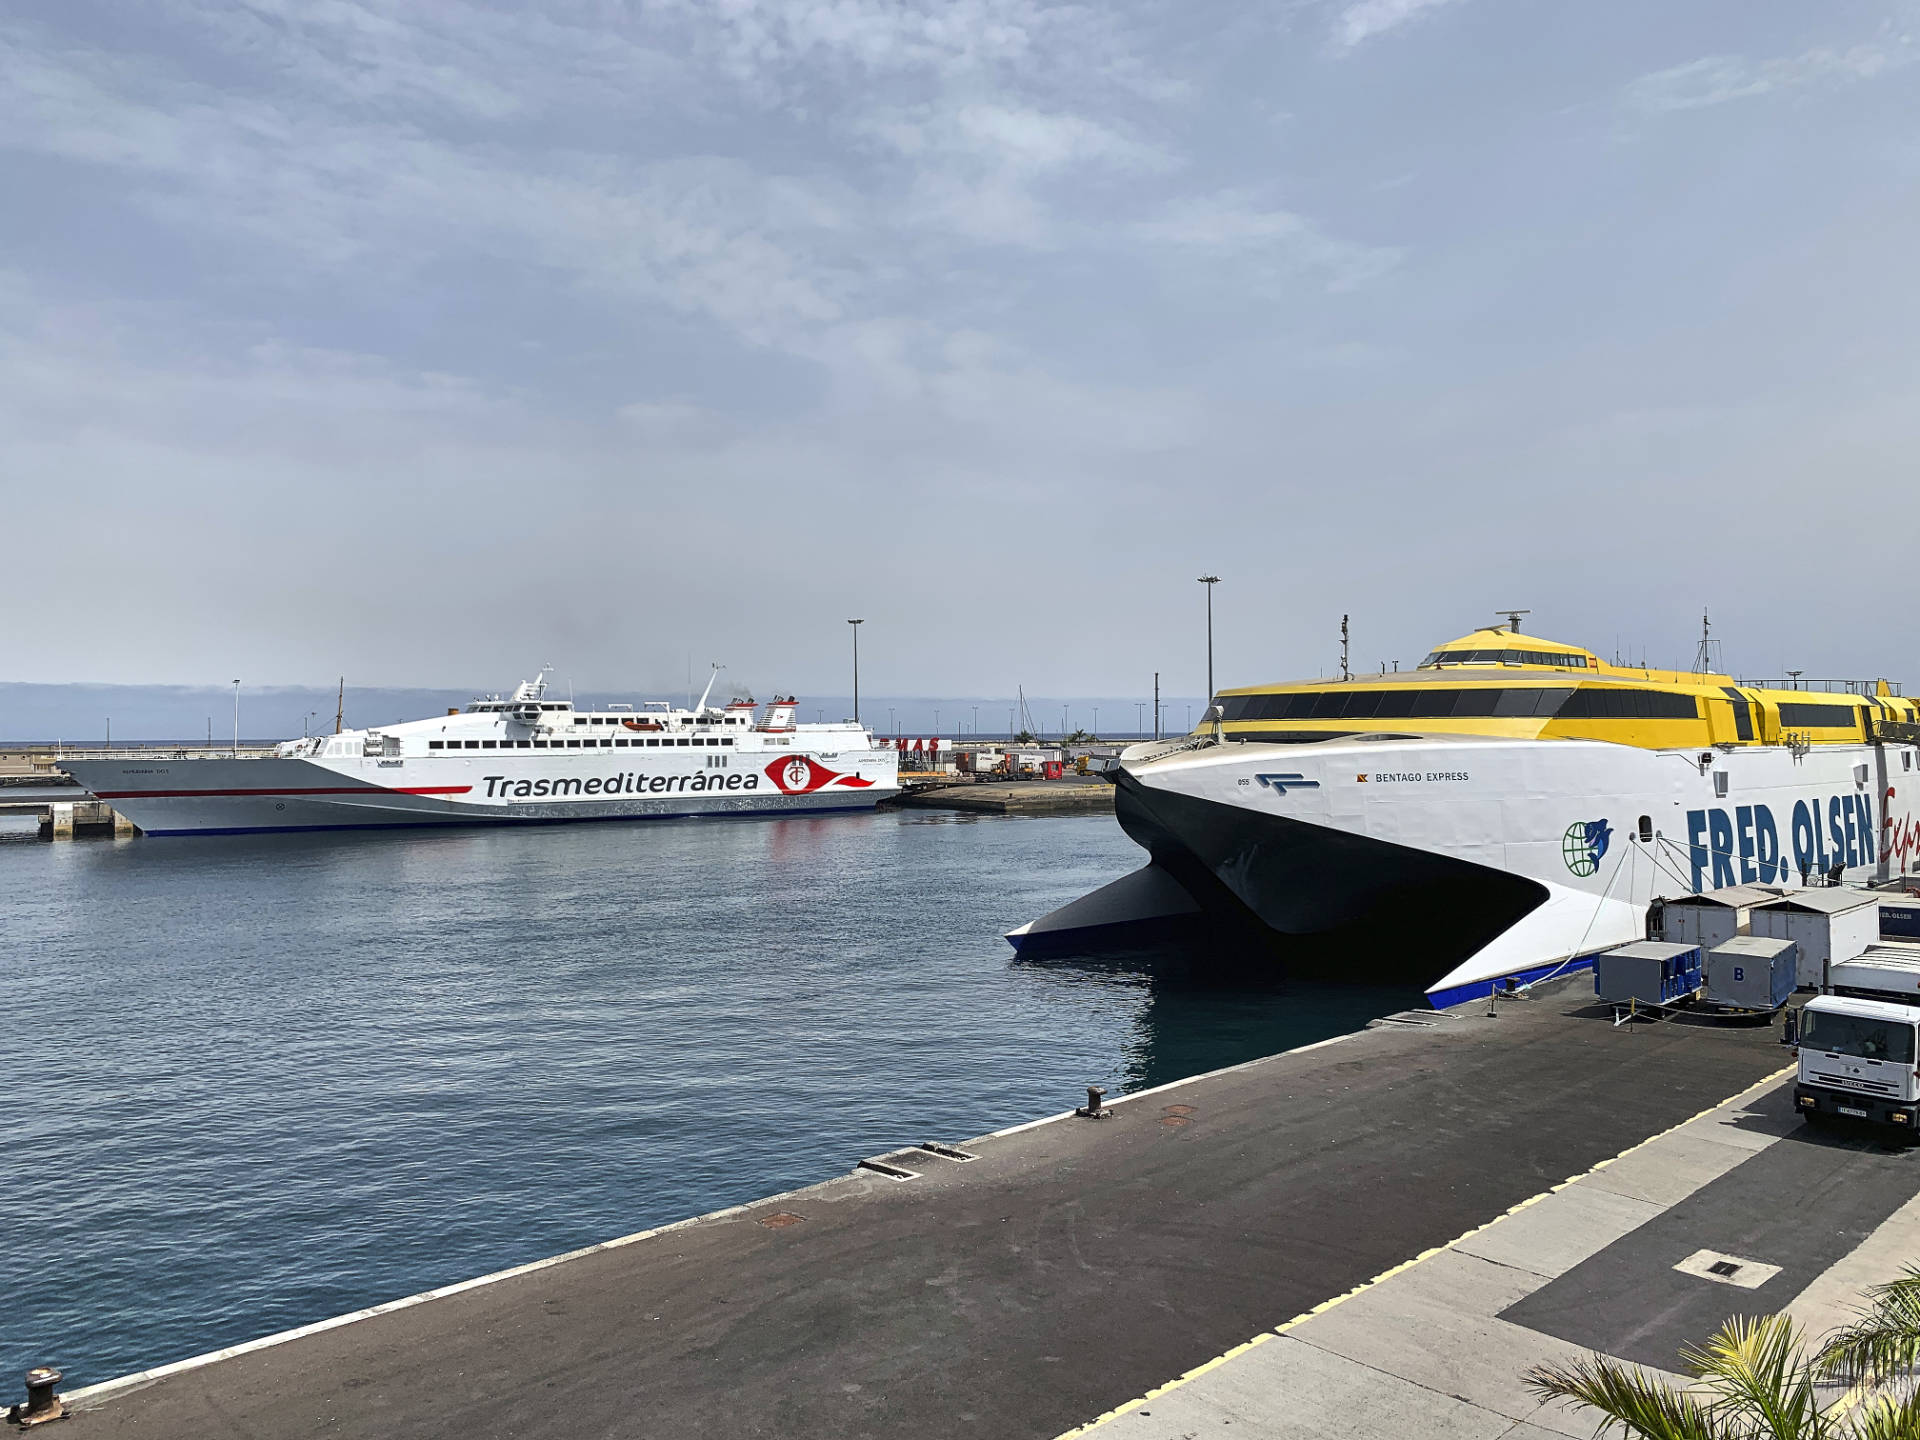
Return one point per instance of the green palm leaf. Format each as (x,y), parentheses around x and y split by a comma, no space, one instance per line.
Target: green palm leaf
(1885,1342)
(1628,1396)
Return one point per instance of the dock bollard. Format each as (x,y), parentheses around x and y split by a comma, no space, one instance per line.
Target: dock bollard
(1093,1110)
(42,1404)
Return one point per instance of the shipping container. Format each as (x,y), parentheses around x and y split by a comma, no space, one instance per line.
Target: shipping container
(1712,918)
(1829,926)
(1653,972)
(1750,972)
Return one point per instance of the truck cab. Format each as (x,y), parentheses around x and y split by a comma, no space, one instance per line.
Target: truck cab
(1857,1060)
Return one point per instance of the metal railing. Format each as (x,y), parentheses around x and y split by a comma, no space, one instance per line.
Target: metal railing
(1826,687)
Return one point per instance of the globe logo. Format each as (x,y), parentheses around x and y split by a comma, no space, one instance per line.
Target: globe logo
(1583,845)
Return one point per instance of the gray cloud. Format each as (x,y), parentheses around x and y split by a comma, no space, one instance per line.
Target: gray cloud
(430,341)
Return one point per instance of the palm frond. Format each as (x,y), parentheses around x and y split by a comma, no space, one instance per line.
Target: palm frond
(1885,1418)
(1640,1403)
(1885,1341)
(1760,1376)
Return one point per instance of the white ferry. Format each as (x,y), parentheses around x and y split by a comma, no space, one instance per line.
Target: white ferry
(1505,811)
(518,760)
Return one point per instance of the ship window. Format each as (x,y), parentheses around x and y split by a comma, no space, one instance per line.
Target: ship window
(473,744)
(523,744)
(489,744)
(1475,702)
(727,741)
(1614,703)
(1830,716)
(579,719)
(684,741)
(1646,827)
(434,744)
(653,744)
(573,744)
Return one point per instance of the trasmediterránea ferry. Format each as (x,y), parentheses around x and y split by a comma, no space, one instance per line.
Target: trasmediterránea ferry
(526,758)
(1507,809)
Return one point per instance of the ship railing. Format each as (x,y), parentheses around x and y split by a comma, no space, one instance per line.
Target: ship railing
(55,754)
(1826,687)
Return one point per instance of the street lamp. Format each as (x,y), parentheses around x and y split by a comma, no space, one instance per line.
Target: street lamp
(1096,722)
(1209,581)
(856,624)
(890,723)
(1139,725)
(236,719)
(936,724)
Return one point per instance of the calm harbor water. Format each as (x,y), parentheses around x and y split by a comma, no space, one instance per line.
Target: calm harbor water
(256,1082)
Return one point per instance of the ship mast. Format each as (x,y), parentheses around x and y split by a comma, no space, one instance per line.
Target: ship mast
(340,706)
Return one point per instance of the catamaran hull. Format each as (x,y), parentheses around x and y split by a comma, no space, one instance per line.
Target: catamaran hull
(1457,862)
(253,796)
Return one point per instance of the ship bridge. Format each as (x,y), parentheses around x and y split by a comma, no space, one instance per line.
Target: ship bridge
(1500,683)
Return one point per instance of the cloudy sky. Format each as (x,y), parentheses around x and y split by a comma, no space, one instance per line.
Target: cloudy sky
(430,341)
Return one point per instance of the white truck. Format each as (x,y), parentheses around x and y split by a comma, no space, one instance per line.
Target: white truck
(1857,1041)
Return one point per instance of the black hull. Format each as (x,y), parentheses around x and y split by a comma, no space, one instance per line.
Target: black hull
(1322,900)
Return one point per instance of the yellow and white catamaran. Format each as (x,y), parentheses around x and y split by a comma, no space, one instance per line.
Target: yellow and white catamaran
(1507,809)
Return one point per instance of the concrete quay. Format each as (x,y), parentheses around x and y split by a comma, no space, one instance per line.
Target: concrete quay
(64,810)
(1233,1228)
(1077,795)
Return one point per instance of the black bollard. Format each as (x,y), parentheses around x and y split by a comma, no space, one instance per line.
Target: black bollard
(42,1403)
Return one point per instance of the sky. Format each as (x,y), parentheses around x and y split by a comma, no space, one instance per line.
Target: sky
(430,342)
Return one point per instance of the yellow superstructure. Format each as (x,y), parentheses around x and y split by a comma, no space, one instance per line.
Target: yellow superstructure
(1499,682)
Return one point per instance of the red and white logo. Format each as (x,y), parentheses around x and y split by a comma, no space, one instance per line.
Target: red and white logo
(800,775)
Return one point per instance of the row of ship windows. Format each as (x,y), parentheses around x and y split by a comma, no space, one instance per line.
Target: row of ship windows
(623,719)
(1505,657)
(1543,702)
(603,744)
(1547,702)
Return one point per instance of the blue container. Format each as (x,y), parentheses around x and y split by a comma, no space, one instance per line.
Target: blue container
(1900,920)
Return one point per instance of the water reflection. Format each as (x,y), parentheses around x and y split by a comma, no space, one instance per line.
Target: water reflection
(1206,1005)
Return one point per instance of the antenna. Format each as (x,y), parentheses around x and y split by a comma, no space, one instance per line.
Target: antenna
(1703,657)
(340,706)
(1513,619)
(701,707)
(1345,673)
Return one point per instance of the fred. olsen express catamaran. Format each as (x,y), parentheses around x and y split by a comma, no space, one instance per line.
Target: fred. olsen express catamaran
(1507,809)
(526,758)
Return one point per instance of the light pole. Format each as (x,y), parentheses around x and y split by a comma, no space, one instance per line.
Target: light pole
(890,723)
(976,722)
(236,719)
(1209,581)
(856,624)
(1096,722)
(936,724)
(1139,725)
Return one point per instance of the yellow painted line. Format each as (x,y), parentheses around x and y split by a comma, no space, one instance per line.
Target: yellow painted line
(1406,1265)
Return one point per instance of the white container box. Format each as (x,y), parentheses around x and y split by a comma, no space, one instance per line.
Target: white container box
(1829,926)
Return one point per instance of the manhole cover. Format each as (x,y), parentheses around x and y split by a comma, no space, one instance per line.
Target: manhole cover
(1177,1110)
(1175,1120)
(781,1220)
(1727,1269)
